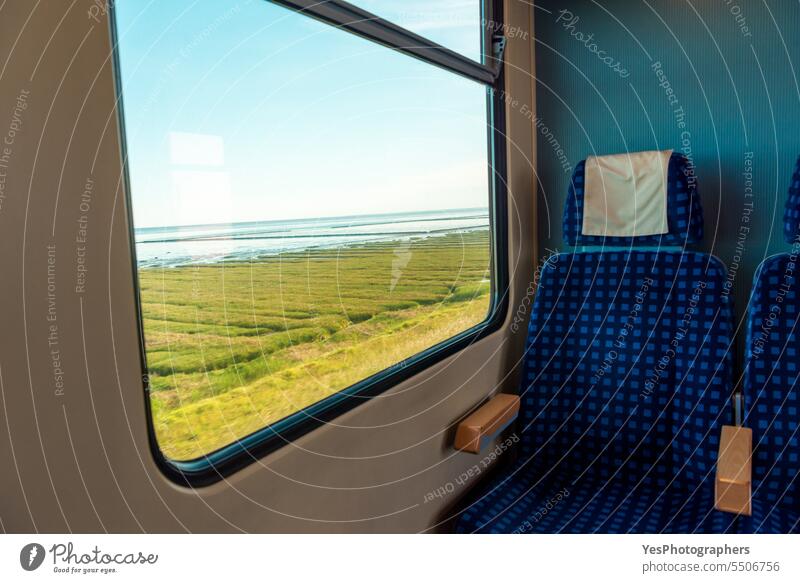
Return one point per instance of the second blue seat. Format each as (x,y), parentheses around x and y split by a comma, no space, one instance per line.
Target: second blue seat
(771,391)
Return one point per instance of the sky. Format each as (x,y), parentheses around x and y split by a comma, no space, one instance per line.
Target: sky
(243,110)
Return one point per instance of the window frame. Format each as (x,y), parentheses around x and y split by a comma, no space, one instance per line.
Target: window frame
(229,459)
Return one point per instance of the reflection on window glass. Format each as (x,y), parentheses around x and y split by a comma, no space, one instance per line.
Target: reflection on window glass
(309,208)
(455,24)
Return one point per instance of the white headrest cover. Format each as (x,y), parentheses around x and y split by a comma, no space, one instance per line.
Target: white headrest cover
(625,195)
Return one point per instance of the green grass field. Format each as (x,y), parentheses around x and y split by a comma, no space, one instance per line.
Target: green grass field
(235,346)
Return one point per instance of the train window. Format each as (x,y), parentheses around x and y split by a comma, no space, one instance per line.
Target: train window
(312,215)
(455,25)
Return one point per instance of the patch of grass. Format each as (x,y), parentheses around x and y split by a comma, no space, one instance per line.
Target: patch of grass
(235,346)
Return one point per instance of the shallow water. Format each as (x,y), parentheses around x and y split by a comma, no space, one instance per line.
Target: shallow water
(203,244)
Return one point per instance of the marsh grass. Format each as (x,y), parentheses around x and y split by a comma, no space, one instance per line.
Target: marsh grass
(235,346)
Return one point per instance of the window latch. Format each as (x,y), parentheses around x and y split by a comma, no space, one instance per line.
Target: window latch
(498,50)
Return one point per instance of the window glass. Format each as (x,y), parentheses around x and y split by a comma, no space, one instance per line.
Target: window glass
(309,209)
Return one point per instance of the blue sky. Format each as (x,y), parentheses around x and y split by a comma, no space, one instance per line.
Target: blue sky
(243,110)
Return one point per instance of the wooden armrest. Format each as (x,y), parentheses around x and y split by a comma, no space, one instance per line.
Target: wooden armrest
(477,429)
(734,470)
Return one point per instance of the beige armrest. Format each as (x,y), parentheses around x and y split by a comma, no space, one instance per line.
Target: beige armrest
(734,470)
(486,422)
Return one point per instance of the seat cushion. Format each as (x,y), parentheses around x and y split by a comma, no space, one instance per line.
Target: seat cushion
(521,502)
(767,518)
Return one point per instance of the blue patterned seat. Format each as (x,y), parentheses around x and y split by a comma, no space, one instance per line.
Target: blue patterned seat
(791,217)
(771,384)
(626,374)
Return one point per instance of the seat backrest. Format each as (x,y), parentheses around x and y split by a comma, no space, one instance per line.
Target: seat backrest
(772,366)
(627,361)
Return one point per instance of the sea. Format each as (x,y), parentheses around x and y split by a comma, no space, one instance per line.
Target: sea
(246,241)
